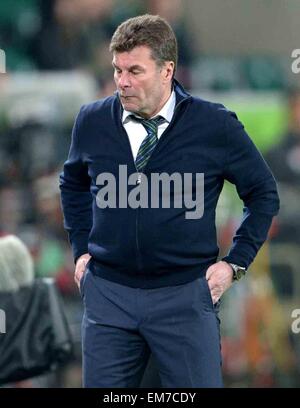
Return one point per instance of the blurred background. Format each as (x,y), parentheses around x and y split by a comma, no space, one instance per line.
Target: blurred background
(236,52)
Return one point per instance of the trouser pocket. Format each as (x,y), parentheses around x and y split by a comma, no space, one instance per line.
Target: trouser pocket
(208,298)
(83,278)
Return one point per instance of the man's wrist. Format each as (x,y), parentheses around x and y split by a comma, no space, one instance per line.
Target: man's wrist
(237,271)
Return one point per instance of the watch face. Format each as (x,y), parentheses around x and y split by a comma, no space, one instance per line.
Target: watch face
(240,273)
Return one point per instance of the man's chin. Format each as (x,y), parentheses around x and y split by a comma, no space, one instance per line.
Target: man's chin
(129,106)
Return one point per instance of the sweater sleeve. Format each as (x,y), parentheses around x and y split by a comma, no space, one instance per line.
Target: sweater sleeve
(256,187)
(76,198)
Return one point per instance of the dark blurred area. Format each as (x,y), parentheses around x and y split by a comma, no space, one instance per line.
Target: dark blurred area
(57,58)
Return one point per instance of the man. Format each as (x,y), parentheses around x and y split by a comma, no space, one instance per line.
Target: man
(149,274)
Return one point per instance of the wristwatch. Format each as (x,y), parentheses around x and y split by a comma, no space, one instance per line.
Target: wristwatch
(238,271)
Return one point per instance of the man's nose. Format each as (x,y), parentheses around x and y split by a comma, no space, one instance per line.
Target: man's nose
(124,81)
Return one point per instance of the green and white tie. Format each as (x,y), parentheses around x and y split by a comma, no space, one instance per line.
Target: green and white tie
(150,141)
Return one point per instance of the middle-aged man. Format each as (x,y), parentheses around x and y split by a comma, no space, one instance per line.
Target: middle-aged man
(148,273)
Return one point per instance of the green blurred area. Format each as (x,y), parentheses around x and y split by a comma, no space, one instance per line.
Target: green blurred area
(19,22)
(264,123)
(11,10)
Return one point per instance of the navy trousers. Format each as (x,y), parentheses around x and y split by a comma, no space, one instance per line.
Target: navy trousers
(122,325)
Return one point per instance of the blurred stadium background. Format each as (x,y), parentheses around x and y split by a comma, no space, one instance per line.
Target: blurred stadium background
(234,51)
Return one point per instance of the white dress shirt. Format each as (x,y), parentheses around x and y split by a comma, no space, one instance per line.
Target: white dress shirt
(136,131)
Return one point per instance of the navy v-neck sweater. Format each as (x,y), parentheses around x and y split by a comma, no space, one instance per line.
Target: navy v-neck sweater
(155,247)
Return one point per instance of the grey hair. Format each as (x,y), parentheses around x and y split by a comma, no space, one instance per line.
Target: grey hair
(16,264)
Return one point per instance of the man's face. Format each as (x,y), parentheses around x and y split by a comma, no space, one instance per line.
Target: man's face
(143,86)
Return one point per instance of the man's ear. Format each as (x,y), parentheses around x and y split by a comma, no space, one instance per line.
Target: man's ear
(168,70)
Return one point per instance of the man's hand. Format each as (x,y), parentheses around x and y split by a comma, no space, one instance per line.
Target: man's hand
(219,279)
(80,267)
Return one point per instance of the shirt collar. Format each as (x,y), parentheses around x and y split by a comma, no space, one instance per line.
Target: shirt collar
(166,111)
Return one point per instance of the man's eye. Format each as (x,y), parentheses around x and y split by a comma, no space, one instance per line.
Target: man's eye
(135,72)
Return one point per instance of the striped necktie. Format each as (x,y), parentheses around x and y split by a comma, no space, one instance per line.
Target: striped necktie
(150,141)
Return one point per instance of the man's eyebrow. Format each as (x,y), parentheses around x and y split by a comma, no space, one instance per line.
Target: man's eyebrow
(136,66)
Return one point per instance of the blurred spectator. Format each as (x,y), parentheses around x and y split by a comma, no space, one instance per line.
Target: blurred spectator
(36,329)
(16,264)
(51,257)
(284,158)
(69,34)
(60,43)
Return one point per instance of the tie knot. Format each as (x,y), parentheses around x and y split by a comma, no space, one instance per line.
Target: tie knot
(149,124)
(154,121)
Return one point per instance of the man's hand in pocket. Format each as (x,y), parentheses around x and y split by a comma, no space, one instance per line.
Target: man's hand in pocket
(219,279)
(80,267)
